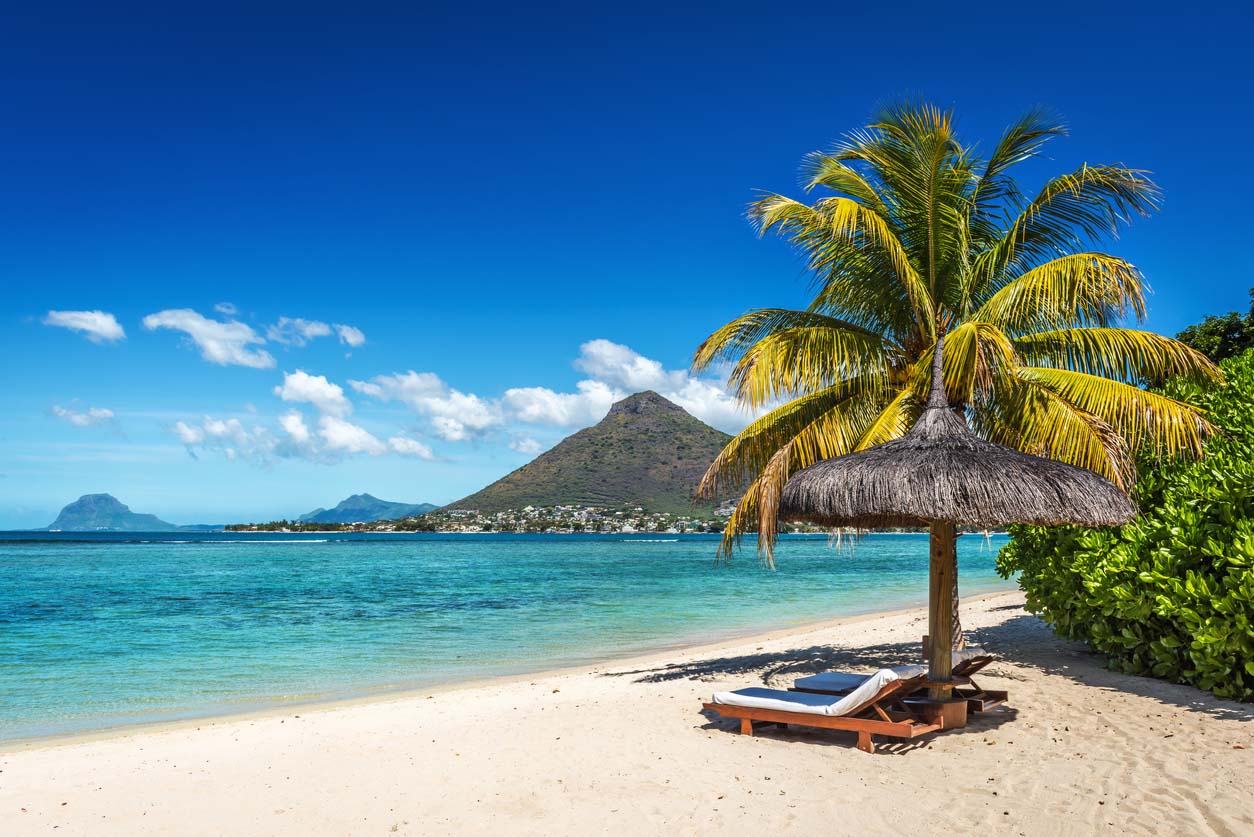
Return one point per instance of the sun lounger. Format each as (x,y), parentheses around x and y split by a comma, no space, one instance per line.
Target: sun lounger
(872,708)
(967,662)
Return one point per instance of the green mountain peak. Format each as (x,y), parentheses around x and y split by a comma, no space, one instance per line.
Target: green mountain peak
(647,451)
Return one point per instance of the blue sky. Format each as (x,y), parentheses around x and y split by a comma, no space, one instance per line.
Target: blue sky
(533,209)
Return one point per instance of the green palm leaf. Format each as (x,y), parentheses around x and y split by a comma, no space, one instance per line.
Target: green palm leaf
(917,234)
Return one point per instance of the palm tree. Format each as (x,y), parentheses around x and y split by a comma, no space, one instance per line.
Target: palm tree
(918,235)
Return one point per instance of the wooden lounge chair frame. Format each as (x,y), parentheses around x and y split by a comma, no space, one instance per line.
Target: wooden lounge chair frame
(883,714)
(978,699)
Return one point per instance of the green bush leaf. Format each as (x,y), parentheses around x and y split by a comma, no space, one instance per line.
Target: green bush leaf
(1172,593)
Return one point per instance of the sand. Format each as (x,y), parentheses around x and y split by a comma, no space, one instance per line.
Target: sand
(624,748)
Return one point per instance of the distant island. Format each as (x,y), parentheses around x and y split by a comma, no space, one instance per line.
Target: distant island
(105,513)
(365,508)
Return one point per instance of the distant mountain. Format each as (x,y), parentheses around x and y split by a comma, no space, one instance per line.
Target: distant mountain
(103,512)
(363,508)
(646,451)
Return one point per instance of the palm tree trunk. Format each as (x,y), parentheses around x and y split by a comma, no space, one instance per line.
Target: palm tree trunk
(958,642)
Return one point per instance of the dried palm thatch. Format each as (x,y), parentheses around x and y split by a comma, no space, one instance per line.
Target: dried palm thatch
(941,474)
(940,470)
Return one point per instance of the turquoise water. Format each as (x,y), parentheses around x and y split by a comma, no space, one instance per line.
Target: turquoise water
(102,630)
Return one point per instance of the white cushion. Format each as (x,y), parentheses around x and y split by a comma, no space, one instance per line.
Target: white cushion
(759,698)
(969,654)
(906,672)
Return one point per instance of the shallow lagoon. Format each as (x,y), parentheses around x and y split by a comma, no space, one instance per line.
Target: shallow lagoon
(101,630)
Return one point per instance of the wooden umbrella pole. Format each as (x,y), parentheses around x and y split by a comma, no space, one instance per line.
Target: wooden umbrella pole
(943,566)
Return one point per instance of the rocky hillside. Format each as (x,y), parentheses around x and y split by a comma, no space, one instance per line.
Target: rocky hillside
(647,451)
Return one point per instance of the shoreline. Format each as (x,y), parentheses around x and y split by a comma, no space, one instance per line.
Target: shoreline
(273,707)
(626,747)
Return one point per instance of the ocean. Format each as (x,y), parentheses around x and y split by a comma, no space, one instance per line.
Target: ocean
(103,630)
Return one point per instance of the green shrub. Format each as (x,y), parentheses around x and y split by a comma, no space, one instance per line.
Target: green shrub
(1172,593)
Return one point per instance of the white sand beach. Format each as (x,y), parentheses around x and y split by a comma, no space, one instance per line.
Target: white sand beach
(624,748)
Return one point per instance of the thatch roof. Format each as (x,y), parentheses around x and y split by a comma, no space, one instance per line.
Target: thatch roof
(939,471)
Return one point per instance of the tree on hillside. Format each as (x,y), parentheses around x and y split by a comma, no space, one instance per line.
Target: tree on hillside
(1222,337)
(917,234)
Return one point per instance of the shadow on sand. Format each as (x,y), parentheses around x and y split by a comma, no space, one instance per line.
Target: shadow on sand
(1022,639)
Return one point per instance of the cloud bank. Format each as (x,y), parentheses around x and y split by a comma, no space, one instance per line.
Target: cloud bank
(448,414)
(615,371)
(233,343)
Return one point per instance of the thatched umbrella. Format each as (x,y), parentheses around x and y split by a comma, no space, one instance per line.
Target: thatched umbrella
(942,475)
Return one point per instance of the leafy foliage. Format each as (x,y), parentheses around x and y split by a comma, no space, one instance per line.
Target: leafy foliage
(916,235)
(1220,337)
(1172,593)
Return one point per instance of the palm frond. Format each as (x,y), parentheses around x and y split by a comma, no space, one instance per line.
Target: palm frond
(819,169)
(1070,211)
(840,220)
(1022,414)
(1124,354)
(743,458)
(975,353)
(1146,420)
(828,433)
(800,360)
(893,421)
(741,334)
(1023,140)
(1074,290)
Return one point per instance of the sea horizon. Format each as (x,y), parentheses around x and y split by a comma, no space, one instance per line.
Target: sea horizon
(108,630)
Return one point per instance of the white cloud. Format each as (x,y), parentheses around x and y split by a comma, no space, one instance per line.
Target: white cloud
(526,445)
(294,426)
(620,366)
(334,439)
(230,437)
(455,416)
(226,308)
(350,335)
(96,326)
(618,371)
(450,429)
(223,343)
(295,331)
(345,437)
(541,405)
(628,371)
(301,387)
(712,403)
(188,434)
(410,447)
(412,388)
(87,418)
